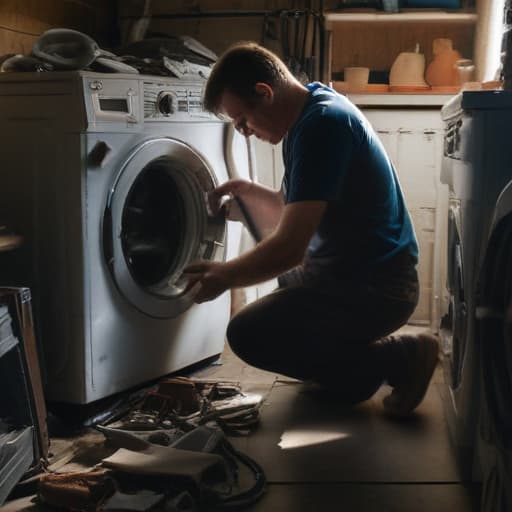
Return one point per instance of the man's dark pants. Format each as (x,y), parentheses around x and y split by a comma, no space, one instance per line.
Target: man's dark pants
(337,340)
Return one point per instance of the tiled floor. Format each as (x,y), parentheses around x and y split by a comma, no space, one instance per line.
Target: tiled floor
(320,456)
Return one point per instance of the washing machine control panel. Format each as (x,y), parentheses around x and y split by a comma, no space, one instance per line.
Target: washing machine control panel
(126,102)
(175,100)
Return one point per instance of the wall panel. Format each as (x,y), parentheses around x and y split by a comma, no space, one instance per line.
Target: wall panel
(203,19)
(22,21)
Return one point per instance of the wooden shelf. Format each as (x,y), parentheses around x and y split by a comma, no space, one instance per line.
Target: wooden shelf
(404,100)
(413,16)
(351,43)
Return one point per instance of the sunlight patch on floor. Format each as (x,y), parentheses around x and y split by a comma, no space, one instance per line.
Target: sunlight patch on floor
(299,438)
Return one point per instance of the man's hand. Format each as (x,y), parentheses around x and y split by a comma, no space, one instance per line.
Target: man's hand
(280,251)
(263,205)
(210,275)
(224,194)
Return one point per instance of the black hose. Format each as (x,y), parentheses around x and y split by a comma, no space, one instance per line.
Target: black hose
(250,496)
(248,220)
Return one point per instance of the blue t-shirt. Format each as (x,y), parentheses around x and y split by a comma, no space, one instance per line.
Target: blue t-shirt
(332,154)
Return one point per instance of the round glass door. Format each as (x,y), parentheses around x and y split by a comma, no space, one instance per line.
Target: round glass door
(156,222)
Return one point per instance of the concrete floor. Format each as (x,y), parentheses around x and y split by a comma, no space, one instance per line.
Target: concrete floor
(318,455)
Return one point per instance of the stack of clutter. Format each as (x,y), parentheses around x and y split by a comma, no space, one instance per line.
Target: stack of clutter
(7,338)
(184,402)
(16,440)
(169,453)
(181,57)
(62,49)
(16,456)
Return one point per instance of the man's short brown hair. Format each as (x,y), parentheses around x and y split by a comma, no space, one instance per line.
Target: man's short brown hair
(239,69)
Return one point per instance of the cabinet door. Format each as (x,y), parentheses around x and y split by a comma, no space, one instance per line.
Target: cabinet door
(417,163)
(389,138)
(413,140)
(424,225)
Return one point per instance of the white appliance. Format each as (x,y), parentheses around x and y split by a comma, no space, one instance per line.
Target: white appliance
(461,392)
(494,328)
(492,118)
(105,176)
(478,169)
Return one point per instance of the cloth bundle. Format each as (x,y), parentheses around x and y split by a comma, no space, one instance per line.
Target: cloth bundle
(84,491)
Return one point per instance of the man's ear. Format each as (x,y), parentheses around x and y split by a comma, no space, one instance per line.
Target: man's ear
(264,90)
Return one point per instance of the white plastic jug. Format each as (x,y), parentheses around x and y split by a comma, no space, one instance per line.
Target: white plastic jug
(408,70)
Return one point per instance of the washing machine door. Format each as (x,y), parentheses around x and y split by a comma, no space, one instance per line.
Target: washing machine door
(494,321)
(156,222)
(494,327)
(456,321)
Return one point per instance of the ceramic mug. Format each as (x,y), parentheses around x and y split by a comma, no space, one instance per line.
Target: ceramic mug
(465,70)
(356,78)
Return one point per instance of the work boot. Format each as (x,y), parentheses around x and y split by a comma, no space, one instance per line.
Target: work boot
(420,355)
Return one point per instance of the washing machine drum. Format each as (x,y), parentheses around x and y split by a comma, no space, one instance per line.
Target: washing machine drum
(156,222)
(495,332)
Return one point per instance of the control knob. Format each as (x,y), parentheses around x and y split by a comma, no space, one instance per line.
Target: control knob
(166,103)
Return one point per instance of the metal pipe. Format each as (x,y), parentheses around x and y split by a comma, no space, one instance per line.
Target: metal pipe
(227,14)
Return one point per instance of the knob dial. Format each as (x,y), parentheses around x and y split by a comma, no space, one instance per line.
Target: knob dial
(166,103)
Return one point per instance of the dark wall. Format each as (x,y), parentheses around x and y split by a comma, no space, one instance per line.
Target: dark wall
(22,21)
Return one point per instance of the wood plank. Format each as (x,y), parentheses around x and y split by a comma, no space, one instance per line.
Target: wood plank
(15,42)
(21,21)
(33,16)
(158,7)
(427,16)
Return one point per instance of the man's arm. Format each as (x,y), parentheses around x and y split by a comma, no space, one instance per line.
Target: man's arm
(263,205)
(282,250)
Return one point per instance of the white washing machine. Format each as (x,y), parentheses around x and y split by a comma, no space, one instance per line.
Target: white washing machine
(477,167)
(494,329)
(105,176)
(460,354)
(494,301)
